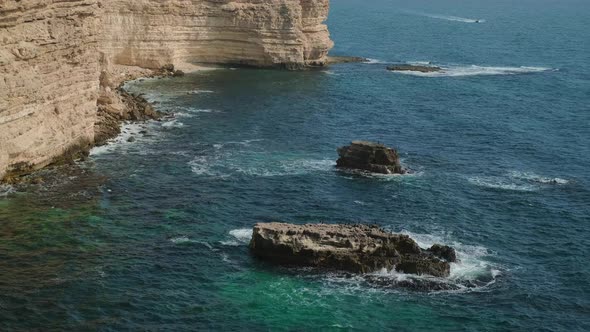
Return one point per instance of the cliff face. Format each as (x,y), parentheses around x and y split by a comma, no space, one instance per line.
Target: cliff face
(53,52)
(153,33)
(48,80)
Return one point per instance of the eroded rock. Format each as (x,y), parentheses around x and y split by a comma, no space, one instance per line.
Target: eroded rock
(371,157)
(353,248)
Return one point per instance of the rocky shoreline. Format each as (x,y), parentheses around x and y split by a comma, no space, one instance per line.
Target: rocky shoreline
(115,106)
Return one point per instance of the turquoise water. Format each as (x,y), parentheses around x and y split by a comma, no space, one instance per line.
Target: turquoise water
(152,235)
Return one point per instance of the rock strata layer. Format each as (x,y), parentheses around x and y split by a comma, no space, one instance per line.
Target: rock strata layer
(353,248)
(371,157)
(59,59)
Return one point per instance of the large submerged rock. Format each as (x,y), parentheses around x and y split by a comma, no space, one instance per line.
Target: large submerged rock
(422,69)
(371,157)
(353,248)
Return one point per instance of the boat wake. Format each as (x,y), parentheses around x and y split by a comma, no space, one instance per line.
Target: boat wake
(448,17)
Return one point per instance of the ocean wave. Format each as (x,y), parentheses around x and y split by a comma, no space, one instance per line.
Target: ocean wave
(495,182)
(537,178)
(183,115)
(222,164)
(174,123)
(128,130)
(474,70)
(381,177)
(185,239)
(180,239)
(238,237)
(373,61)
(517,181)
(198,91)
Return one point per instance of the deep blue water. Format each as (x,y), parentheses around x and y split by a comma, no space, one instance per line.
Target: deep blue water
(153,236)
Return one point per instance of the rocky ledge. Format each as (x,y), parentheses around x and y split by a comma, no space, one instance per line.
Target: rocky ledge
(371,157)
(422,69)
(352,248)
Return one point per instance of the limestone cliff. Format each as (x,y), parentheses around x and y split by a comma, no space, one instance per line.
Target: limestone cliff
(55,54)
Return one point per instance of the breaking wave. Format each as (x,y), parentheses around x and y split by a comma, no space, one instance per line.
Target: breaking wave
(517,181)
(474,70)
(472,272)
(373,61)
(238,237)
(532,177)
(128,130)
(172,124)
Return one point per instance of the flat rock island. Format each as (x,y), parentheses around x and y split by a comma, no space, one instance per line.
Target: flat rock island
(370,157)
(352,248)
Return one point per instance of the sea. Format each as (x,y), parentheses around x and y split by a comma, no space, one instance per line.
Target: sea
(152,234)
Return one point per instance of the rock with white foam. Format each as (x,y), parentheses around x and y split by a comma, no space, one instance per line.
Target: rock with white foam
(353,248)
(421,69)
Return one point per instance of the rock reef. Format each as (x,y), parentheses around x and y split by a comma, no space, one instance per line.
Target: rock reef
(370,157)
(353,248)
(422,69)
(61,61)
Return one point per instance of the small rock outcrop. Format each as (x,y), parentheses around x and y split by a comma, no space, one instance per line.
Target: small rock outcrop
(371,157)
(352,248)
(422,69)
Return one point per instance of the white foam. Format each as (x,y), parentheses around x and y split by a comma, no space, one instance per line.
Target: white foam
(246,142)
(185,239)
(224,164)
(128,130)
(472,263)
(6,189)
(517,181)
(474,70)
(495,182)
(380,177)
(447,17)
(537,178)
(197,91)
(239,237)
(173,124)
(180,239)
(455,18)
(373,61)
(183,115)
